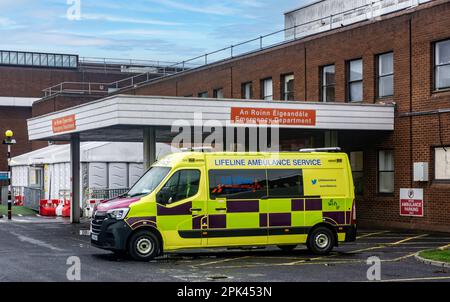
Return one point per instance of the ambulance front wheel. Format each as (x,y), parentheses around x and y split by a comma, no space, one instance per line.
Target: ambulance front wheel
(321,241)
(144,246)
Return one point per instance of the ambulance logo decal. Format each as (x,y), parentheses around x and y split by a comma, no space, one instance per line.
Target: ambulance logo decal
(314,181)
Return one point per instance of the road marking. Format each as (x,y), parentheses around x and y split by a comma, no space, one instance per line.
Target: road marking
(372,234)
(388,244)
(414,279)
(222,261)
(445,247)
(36,242)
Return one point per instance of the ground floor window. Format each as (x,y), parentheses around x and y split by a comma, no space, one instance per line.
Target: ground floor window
(357,163)
(386,171)
(442,163)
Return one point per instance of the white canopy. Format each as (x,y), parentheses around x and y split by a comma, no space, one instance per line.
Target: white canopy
(90,152)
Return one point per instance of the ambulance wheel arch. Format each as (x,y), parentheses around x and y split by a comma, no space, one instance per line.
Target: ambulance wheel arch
(322,230)
(147,235)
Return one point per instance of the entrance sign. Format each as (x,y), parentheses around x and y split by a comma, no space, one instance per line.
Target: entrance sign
(411,202)
(64,124)
(268,116)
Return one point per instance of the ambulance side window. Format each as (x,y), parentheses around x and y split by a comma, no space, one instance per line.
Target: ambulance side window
(237,184)
(182,185)
(286,183)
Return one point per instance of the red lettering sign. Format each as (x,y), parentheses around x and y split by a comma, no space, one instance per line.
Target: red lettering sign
(64,124)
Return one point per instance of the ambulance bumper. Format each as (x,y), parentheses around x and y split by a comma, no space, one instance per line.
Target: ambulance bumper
(111,236)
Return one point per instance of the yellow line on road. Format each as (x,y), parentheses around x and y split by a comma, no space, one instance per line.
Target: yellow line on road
(371,234)
(445,247)
(388,244)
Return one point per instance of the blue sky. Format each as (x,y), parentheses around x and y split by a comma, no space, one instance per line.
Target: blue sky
(141,29)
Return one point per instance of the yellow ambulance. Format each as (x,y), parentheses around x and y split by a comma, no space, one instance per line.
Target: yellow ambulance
(201,199)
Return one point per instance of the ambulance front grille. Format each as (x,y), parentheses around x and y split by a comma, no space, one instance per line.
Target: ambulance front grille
(96,223)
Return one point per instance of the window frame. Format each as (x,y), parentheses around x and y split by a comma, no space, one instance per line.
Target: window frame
(285,95)
(436,66)
(351,82)
(263,96)
(433,148)
(379,77)
(358,171)
(324,86)
(169,177)
(200,94)
(243,87)
(385,171)
(216,92)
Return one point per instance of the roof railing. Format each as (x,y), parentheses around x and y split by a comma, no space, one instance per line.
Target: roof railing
(313,150)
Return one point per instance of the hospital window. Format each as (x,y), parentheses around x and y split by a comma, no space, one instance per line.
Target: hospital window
(182,185)
(357,164)
(267,89)
(442,65)
(328,83)
(218,93)
(203,94)
(287,87)
(237,184)
(386,171)
(355,80)
(247,91)
(442,163)
(385,75)
(285,183)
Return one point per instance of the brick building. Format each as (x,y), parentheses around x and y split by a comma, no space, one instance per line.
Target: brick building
(25,78)
(401,58)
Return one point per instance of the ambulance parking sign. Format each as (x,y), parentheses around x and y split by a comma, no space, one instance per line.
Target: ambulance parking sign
(411,202)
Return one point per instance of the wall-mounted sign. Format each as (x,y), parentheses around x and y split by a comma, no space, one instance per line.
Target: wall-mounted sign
(64,124)
(3,175)
(411,202)
(268,116)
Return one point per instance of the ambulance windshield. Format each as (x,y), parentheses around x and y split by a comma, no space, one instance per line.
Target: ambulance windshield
(147,183)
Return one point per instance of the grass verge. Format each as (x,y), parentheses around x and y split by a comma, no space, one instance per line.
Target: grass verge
(436,255)
(17,210)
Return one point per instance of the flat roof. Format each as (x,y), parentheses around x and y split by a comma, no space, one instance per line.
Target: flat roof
(122,117)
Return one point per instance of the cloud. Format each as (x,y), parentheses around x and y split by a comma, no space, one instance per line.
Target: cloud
(6,22)
(215,9)
(117,19)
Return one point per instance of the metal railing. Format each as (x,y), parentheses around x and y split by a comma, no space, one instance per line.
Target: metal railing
(105,194)
(283,36)
(32,198)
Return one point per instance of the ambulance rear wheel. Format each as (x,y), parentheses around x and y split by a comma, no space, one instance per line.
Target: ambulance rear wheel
(287,248)
(144,246)
(321,241)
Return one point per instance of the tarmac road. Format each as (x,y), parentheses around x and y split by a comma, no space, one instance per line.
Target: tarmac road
(37,249)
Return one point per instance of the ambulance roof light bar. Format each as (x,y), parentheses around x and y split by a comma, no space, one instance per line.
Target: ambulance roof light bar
(332,149)
(197,149)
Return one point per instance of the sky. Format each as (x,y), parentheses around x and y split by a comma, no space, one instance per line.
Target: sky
(164,30)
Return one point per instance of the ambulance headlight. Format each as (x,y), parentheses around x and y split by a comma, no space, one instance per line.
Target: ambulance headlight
(118,214)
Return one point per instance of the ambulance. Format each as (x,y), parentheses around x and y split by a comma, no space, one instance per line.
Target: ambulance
(207,200)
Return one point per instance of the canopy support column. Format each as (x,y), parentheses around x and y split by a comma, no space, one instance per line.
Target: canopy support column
(149,147)
(75,178)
